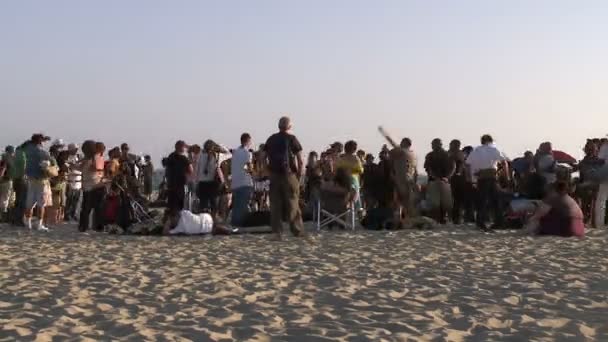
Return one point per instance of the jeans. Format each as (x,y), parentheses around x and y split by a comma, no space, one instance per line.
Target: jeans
(599,216)
(439,197)
(240,204)
(20,189)
(92,201)
(208,196)
(489,200)
(463,199)
(71,204)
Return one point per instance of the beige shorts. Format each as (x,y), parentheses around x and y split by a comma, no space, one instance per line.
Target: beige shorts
(39,194)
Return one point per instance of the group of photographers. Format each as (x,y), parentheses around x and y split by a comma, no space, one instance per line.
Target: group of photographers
(41,187)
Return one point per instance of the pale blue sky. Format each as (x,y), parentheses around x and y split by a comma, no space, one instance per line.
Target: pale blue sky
(149,72)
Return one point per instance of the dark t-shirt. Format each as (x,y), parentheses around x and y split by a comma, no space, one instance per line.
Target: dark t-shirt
(457,157)
(281,149)
(176,172)
(438,164)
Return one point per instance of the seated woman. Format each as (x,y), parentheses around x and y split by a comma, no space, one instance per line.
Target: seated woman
(559,214)
(187,223)
(340,187)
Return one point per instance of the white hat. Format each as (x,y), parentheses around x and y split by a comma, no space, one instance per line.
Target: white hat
(58,142)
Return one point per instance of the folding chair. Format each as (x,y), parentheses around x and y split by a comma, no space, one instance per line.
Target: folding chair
(335,207)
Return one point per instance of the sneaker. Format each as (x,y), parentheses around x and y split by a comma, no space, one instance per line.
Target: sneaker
(43,229)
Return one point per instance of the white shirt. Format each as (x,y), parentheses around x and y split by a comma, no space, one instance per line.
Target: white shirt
(485,157)
(240,177)
(192,224)
(206,173)
(603,153)
(75,179)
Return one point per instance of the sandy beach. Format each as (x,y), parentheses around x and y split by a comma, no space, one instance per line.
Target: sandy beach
(457,285)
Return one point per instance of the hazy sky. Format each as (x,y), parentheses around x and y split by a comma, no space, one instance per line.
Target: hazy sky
(149,72)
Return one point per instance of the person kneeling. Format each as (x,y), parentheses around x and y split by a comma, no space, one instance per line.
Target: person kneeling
(187,223)
(559,214)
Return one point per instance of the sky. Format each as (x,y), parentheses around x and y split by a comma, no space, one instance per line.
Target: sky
(150,72)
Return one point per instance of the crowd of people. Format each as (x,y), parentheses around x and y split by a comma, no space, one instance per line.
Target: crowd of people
(42,187)
(206,187)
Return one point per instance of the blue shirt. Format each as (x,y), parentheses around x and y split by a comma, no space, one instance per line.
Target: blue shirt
(34,156)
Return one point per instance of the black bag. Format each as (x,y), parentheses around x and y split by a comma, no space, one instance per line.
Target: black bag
(257,219)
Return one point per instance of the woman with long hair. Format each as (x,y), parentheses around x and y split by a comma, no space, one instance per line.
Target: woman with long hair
(93,168)
(209,177)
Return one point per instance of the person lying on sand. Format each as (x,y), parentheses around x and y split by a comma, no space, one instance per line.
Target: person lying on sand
(187,223)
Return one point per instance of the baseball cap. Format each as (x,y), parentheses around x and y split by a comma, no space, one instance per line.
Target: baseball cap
(58,142)
(40,137)
(73,147)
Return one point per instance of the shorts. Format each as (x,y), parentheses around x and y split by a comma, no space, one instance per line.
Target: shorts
(404,192)
(439,195)
(39,193)
(59,195)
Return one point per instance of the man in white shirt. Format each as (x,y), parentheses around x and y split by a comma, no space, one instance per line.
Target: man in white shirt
(187,223)
(602,193)
(483,164)
(242,182)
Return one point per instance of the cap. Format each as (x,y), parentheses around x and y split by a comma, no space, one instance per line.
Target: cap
(58,142)
(72,147)
(40,137)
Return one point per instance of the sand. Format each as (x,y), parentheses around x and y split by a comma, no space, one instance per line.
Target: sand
(456,285)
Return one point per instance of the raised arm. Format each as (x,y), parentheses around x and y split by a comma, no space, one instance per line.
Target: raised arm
(387,137)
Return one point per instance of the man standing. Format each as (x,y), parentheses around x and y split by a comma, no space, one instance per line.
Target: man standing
(405,175)
(484,162)
(37,169)
(458,181)
(599,216)
(178,168)
(439,168)
(286,165)
(19,184)
(242,182)
(148,175)
(128,159)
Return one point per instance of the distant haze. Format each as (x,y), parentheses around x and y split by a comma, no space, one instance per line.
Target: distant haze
(150,72)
